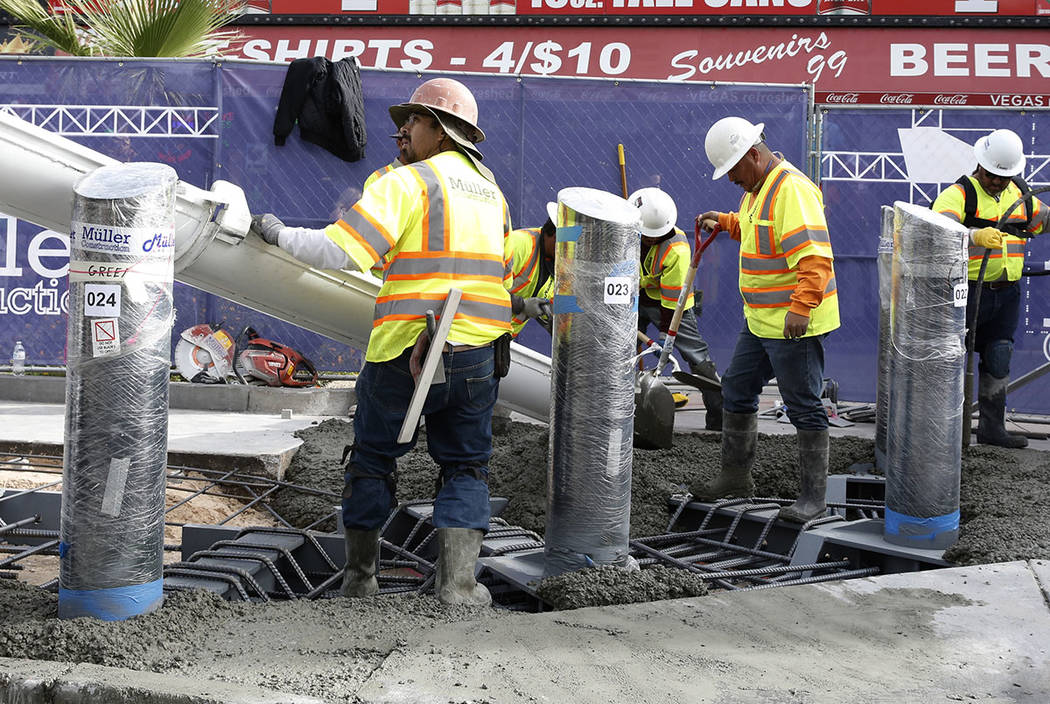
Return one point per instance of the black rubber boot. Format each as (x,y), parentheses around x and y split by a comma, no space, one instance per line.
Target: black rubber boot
(362,554)
(813,467)
(458,550)
(739,436)
(991,407)
(712,399)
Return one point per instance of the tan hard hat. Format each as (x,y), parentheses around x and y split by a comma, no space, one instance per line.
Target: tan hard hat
(444,98)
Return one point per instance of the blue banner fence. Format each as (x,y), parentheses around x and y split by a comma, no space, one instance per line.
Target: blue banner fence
(214,120)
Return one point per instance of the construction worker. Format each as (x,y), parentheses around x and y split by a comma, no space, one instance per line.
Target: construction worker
(441,220)
(378,269)
(528,256)
(979,201)
(790,305)
(665,262)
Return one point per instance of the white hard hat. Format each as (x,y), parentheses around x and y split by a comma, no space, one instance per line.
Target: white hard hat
(1000,153)
(728,140)
(656,210)
(552,212)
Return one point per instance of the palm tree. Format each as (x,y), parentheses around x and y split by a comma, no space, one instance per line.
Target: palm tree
(170,28)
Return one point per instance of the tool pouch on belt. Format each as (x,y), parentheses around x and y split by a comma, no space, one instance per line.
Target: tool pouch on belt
(501,355)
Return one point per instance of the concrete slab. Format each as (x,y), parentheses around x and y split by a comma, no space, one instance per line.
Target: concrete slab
(42,682)
(958,634)
(334,399)
(255,443)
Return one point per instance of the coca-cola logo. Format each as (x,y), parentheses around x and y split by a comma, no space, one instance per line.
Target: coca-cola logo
(897,98)
(844,7)
(842,98)
(950,100)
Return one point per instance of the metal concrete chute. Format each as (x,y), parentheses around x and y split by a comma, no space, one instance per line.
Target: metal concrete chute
(214,253)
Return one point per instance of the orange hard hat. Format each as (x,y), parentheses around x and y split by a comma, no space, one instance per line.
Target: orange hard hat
(444,98)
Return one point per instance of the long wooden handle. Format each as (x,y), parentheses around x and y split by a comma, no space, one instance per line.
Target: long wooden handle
(623,169)
(683,295)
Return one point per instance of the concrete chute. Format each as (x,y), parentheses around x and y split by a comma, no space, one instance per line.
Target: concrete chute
(212,253)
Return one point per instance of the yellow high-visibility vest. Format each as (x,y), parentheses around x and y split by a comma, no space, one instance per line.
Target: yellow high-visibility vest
(382,171)
(522,253)
(780,225)
(1010,259)
(663,271)
(441,225)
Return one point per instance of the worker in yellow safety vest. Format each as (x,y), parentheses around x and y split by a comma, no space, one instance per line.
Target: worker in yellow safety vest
(666,258)
(788,285)
(378,269)
(441,221)
(979,201)
(528,273)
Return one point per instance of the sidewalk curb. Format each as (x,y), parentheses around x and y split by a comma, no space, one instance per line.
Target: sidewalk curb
(45,682)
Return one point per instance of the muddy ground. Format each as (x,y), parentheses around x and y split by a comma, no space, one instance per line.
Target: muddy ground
(327,648)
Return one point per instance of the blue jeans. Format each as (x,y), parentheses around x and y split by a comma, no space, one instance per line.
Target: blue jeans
(996,323)
(458,416)
(799,370)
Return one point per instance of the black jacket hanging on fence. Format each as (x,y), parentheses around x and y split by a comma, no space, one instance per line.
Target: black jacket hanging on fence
(327,101)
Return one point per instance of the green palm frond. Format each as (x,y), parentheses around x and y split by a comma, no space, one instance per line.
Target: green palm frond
(36,24)
(172,28)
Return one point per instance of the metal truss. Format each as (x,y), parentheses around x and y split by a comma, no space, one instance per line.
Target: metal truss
(120,120)
(890,167)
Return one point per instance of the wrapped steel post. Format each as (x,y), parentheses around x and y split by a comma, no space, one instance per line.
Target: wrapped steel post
(882,387)
(592,381)
(121,273)
(927,328)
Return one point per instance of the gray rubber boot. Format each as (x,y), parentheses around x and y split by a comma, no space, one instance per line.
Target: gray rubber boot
(813,468)
(739,435)
(458,550)
(362,554)
(712,399)
(991,408)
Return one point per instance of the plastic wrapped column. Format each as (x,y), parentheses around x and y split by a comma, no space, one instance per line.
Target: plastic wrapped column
(927,328)
(592,381)
(118,344)
(882,386)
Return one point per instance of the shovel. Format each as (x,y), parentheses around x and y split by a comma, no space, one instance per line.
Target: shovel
(654,404)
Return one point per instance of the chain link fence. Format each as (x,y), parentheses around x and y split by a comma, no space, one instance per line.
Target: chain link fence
(215,121)
(871,157)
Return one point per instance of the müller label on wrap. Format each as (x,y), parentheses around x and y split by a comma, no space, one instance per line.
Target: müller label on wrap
(154,243)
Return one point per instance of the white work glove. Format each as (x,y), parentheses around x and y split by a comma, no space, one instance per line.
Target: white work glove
(536,308)
(267,226)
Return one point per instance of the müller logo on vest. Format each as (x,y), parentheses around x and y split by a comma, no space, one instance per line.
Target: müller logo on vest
(844,7)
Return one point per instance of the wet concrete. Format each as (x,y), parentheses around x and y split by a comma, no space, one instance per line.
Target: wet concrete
(337,649)
(1005,494)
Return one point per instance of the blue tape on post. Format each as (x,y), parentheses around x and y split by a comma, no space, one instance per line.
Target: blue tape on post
(566,304)
(114,604)
(920,528)
(568,234)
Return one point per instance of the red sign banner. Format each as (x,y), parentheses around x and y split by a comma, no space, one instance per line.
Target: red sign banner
(728,8)
(1006,67)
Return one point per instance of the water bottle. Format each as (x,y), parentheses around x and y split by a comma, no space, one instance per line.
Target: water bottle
(18,359)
